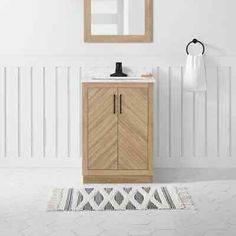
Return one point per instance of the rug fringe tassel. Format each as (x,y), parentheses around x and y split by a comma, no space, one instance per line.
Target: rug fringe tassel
(55,199)
(185,197)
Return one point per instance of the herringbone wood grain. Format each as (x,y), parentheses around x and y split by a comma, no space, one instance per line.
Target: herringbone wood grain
(102,129)
(133,129)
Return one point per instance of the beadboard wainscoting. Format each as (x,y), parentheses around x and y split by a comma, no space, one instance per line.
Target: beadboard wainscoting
(40,120)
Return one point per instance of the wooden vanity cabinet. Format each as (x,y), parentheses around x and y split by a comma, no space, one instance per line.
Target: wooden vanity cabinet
(117,132)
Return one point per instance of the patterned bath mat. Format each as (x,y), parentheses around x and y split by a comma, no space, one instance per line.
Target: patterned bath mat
(120,198)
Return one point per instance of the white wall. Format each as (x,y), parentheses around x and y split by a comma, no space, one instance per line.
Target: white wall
(49,33)
(55,27)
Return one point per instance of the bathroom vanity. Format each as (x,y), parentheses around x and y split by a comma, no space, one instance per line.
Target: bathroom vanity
(117,129)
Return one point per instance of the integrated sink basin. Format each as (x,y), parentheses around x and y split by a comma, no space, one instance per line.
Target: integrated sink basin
(118,78)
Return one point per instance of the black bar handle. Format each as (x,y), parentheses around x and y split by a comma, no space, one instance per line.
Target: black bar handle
(114,101)
(120,103)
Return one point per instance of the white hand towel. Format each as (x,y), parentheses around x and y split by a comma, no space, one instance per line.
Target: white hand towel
(195,73)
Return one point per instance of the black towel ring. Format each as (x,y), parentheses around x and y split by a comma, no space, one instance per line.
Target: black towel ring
(195,41)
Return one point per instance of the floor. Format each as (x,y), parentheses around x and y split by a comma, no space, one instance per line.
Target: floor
(24,194)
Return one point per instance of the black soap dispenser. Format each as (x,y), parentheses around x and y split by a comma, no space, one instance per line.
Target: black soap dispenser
(118,72)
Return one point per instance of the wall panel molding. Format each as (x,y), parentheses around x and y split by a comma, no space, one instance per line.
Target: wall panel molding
(40,116)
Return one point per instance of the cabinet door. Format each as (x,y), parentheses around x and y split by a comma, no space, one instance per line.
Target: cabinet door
(133,129)
(102,129)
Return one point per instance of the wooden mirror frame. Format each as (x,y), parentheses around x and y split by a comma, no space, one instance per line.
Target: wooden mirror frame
(147,37)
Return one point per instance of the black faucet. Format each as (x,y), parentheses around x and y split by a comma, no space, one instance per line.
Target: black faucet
(118,72)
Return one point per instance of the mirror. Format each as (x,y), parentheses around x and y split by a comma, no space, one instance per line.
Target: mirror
(118,21)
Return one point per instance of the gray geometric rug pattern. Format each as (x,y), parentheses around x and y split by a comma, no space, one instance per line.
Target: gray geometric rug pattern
(120,198)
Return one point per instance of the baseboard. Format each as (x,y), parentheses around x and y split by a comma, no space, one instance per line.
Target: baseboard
(167,162)
(41,163)
(195,162)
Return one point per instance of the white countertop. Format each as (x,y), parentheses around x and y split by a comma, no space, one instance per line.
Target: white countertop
(119,80)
